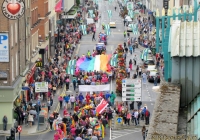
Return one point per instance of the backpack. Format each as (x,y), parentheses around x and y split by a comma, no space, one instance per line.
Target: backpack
(147,113)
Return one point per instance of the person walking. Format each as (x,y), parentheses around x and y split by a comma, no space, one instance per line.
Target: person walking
(156,80)
(130,64)
(60,99)
(51,119)
(93,36)
(124,34)
(112,98)
(131,49)
(128,117)
(115,8)
(147,115)
(136,117)
(5,121)
(144,78)
(143,132)
(135,59)
(124,21)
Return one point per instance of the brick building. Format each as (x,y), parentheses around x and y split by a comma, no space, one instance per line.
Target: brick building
(13,71)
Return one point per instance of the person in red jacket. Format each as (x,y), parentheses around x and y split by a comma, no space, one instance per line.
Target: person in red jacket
(87,98)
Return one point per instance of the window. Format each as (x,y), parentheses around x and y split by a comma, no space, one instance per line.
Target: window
(16,64)
(11,35)
(16,32)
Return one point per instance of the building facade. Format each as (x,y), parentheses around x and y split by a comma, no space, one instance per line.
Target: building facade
(13,71)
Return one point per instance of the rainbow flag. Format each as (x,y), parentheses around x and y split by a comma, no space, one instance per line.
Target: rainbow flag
(98,63)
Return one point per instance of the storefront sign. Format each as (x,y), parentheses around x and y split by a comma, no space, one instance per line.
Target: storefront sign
(38,63)
(4,50)
(41,86)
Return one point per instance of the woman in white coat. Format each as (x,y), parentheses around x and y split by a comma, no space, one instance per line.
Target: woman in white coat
(30,119)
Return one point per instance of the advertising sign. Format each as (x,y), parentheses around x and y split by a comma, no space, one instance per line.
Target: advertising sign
(41,86)
(4,48)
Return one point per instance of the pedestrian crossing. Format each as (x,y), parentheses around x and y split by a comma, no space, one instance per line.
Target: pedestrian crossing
(120,133)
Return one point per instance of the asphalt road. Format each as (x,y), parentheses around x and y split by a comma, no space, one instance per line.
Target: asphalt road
(116,37)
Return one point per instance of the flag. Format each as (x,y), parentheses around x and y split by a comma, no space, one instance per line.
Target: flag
(83,28)
(71,67)
(107,29)
(91,13)
(102,106)
(109,13)
(131,13)
(134,27)
(58,7)
(144,54)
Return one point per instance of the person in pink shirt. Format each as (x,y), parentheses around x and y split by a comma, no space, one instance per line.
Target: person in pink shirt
(73,131)
(128,117)
(56,136)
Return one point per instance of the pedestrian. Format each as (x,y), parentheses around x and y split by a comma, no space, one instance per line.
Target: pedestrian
(124,21)
(51,119)
(140,71)
(139,104)
(131,49)
(93,37)
(130,64)
(156,80)
(5,121)
(72,101)
(137,70)
(74,82)
(144,78)
(147,115)
(126,49)
(128,117)
(60,98)
(136,117)
(30,119)
(135,60)
(49,105)
(124,34)
(115,8)
(112,98)
(144,132)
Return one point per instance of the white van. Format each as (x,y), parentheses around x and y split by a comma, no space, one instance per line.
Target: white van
(89,21)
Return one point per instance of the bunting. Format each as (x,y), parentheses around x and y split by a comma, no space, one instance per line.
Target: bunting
(84,29)
(91,13)
(131,13)
(107,29)
(71,67)
(109,13)
(134,28)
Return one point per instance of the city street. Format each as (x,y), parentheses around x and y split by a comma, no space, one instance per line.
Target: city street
(116,37)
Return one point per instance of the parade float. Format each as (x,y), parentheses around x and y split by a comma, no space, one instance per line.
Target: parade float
(121,70)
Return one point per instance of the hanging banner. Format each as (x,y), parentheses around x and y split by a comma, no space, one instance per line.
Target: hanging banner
(91,88)
(109,13)
(129,5)
(107,29)
(91,13)
(134,27)
(131,13)
(84,29)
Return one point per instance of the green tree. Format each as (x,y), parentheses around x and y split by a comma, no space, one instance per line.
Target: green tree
(77,2)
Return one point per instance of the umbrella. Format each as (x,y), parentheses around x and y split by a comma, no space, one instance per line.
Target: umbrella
(33,112)
(25,88)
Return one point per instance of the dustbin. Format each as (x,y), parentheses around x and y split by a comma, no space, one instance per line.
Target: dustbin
(41,118)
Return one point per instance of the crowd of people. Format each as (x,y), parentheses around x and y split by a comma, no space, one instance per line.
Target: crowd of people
(81,120)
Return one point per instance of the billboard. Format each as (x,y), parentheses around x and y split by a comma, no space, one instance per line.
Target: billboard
(4,48)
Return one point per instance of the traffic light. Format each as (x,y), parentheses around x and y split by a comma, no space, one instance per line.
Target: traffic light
(12,134)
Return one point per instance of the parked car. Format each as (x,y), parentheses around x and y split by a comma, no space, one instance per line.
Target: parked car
(151,76)
(148,62)
(112,25)
(151,67)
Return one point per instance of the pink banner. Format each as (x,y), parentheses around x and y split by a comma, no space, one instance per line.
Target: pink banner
(58,6)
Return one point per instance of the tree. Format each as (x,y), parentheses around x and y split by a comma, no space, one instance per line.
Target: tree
(77,2)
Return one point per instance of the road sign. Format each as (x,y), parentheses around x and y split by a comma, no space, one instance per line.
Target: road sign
(131,98)
(119,120)
(19,128)
(131,90)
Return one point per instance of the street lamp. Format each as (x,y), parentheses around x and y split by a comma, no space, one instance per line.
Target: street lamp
(49,43)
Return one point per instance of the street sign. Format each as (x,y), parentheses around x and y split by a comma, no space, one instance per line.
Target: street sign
(19,128)
(4,47)
(119,120)
(41,86)
(131,98)
(131,90)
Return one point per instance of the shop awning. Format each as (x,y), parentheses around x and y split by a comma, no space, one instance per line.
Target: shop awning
(58,7)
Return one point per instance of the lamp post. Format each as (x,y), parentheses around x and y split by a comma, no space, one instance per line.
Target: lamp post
(49,43)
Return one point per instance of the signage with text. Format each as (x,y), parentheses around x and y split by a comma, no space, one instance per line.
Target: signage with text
(38,63)
(41,86)
(4,48)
